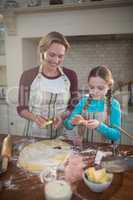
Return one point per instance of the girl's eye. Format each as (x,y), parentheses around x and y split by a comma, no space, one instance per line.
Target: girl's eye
(101,88)
(98,87)
(61,56)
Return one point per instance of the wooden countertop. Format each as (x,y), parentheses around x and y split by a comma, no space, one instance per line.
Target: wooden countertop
(26,186)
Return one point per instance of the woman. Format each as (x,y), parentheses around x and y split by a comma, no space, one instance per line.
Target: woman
(99,110)
(48,93)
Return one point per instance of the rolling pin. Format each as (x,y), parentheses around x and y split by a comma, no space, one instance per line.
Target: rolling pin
(6,152)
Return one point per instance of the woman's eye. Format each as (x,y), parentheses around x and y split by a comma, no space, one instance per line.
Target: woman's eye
(52,54)
(91,87)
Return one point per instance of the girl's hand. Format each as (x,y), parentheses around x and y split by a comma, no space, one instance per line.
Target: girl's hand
(92,123)
(77,120)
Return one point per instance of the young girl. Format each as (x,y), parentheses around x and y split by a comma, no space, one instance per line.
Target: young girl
(99,110)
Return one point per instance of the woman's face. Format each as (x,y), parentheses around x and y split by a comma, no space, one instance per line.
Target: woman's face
(98,87)
(54,56)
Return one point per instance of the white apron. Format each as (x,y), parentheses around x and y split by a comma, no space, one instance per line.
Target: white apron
(92,135)
(48,98)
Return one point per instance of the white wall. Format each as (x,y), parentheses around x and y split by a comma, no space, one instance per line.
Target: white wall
(14,66)
(2,60)
(70,22)
(77,22)
(30,54)
(13,59)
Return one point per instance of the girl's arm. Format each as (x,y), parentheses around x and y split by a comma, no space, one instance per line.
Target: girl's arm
(110,132)
(77,110)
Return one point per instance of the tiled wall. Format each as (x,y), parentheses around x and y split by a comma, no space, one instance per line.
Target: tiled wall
(87,52)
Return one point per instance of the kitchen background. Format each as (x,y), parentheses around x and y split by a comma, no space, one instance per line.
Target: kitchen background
(100,32)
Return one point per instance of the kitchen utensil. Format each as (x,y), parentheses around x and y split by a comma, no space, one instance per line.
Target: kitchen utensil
(118,164)
(124,132)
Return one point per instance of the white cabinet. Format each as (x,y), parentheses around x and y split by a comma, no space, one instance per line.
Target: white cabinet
(10,121)
(3,118)
(2,40)
(16,123)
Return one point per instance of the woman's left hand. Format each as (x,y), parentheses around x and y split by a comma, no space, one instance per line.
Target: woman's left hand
(92,123)
(57,122)
(59,119)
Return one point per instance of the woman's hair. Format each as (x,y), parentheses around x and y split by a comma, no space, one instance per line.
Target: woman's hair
(104,73)
(52,37)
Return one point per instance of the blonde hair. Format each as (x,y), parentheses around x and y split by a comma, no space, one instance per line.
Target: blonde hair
(52,37)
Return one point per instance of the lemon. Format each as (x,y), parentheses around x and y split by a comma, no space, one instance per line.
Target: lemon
(47,123)
(97,176)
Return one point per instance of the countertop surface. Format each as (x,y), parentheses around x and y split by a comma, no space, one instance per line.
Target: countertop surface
(24,186)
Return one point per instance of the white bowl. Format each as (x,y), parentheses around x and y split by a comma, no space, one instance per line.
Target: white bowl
(97,187)
(58,190)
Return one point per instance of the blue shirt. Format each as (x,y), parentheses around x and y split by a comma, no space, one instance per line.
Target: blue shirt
(108,131)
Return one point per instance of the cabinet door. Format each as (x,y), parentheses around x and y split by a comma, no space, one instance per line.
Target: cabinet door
(3,118)
(16,123)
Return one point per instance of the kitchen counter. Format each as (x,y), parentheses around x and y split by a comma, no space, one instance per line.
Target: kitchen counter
(24,186)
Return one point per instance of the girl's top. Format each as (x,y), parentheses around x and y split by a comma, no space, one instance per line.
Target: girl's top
(97,109)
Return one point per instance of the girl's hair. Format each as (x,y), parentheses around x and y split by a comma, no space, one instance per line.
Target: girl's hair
(104,73)
(50,38)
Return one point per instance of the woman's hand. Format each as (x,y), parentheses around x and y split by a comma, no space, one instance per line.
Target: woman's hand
(58,121)
(41,121)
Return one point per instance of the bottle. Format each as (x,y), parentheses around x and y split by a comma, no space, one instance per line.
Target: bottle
(74,169)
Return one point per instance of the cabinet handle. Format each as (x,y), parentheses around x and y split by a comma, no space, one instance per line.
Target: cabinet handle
(11,123)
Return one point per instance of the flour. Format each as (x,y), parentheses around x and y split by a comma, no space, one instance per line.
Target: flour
(42,155)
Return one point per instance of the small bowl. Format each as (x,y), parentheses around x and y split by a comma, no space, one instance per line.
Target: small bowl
(97,187)
(58,190)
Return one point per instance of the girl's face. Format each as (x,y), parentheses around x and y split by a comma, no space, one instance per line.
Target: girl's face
(98,87)
(54,56)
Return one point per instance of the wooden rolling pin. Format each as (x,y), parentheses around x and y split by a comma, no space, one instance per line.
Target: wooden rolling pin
(6,152)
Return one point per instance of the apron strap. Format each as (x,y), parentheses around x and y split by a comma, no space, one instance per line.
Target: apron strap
(64,77)
(61,71)
(40,69)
